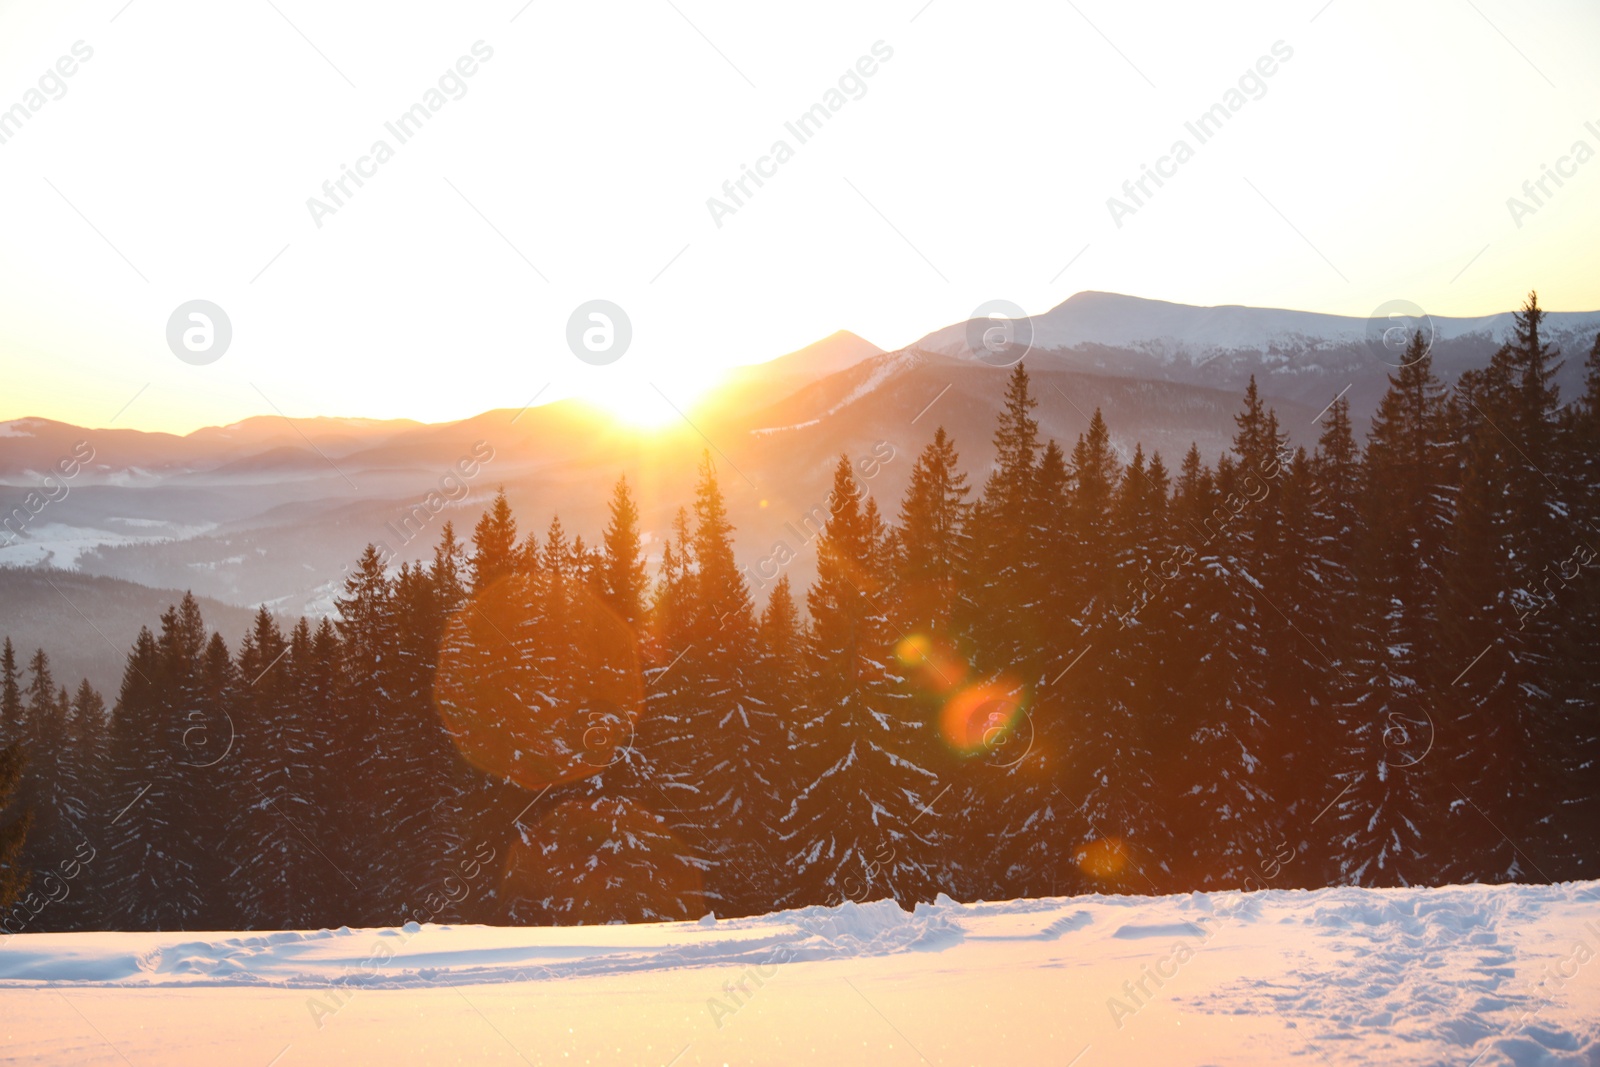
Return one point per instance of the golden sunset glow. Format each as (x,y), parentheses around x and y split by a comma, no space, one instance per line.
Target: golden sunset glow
(642,404)
(414,298)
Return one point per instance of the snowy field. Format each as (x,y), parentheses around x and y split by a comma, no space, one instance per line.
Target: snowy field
(1464,975)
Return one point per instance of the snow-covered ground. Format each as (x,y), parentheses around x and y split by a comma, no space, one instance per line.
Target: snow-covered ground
(1472,975)
(60,545)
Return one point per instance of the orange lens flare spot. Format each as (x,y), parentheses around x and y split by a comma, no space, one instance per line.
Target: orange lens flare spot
(934,666)
(912,649)
(982,717)
(1105,858)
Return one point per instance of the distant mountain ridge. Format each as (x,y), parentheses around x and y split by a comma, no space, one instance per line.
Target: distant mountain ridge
(1118,321)
(42,610)
(1090,332)
(1295,355)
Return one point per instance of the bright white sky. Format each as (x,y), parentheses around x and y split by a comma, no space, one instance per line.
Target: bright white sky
(976,167)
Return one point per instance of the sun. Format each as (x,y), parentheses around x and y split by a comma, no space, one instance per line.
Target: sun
(644,403)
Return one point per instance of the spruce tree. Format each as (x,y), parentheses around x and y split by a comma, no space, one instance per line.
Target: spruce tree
(45,783)
(1571,753)
(370,800)
(270,858)
(1328,605)
(419,756)
(1222,813)
(854,829)
(10,695)
(1511,529)
(931,561)
(748,773)
(780,666)
(624,577)
(1087,714)
(448,571)
(135,748)
(933,541)
(90,747)
(163,853)
(1005,589)
(494,544)
(319,672)
(86,772)
(1302,673)
(1334,524)
(670,601)
(710,738)
(1144,650)
(1384,827)
(14,822)
(598,844)
(181,804)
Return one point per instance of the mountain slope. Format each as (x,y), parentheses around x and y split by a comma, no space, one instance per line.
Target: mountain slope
(86,624)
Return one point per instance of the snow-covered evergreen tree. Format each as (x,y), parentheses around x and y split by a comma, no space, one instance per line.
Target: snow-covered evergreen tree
(14,822)
(854,828)
(10,695)
(1381,826)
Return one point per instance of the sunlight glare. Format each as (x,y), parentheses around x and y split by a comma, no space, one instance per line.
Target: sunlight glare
(643,403)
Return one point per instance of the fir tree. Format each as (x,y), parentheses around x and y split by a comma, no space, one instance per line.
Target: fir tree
(270,858)
(1326,601)
(494,544)
(1509,532)
(419,756)
(624,578)
(1006,564)
(14,822)
(162,855)
(10,695)
(136,750)
(933,542)
(711,740)
(853,830)
(1572,754)
(1221,811)
(780,668)
(371,801)
(1382,826)
(45,783)
(448,571)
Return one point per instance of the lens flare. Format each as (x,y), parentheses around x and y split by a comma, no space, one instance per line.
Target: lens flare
(935,667)
(913,648)
(533,701)
(982,717)
(1105,858)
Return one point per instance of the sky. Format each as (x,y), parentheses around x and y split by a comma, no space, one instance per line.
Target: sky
(970,153)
